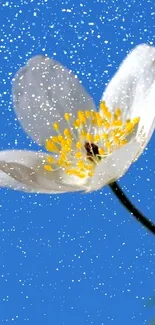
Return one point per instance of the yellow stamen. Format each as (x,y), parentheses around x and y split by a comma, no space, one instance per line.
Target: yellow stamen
(90,174)
(50,160)
(117,113)
(48,168)
(78,155)
(83,133)
(81,116)
(88,114)
(123,142)
(55,139)
(103,106)
(56,126)
(80,164)
(77,124)
(61,139)
(75,173)
(50,146)
(89,138)
(117,123)
(97,137)
(101,151)
(105,136)
(67,116)
(89,167)
(106,124)
(108,144)
(135,120)
(78,145)
(105,110)
(67,133)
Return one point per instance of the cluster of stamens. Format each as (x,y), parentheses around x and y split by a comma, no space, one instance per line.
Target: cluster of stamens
(89,137)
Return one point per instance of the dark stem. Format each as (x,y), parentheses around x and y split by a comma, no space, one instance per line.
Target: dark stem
(135,212)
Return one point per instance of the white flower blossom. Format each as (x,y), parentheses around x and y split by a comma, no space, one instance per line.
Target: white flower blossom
(86,149)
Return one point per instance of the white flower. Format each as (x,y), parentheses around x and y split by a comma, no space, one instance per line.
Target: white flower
(85,149)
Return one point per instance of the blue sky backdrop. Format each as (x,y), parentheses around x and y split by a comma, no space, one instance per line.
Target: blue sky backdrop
(74,258)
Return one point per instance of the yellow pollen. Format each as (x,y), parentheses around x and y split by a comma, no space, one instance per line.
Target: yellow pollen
(83,133)
(60,138)
(117,113)
(135,120)
(105,136)
(67,148)
(78,145)
(90,174)
(56,126)
(78,155)
(63,162)
(89,167)
(129,126)
(50,146)
(117,123)
(67,116)
(108,115)
(67,133)
(108,144)
(89,137)
(80,164)
(101,151)
(75,173)
(77,124)
(97,119)
(123,142)
(97,137)
(48,168)
(88,114)
(106,124)
(81,116)
(116,139)
(55,139)
(103,106)
(50,160)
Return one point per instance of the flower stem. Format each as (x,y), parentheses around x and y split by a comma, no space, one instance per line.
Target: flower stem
(131,208)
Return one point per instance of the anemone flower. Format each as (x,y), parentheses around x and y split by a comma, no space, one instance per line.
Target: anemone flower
(85,149)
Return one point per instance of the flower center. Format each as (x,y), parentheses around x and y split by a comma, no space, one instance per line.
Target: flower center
(88,138)
(92,150)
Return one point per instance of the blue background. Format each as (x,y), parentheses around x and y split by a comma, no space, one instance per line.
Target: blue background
(74,258)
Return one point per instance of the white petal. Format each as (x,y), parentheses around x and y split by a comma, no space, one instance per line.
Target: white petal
(133,80)
(11,183)
(132,89)
(25,171)
(114,166)
(147,121)
(43,91)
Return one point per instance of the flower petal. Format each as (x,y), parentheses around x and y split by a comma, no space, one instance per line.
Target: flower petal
(43,91)
(11,183)
(131,84)
(147,121)
(114,166)
(132,89)
(26,172)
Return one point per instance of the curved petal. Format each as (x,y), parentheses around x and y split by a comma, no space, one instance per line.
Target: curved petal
(132,81)
(147,121)
(43,91)
(114,166)
(25,171)
(132,89)
(9,182)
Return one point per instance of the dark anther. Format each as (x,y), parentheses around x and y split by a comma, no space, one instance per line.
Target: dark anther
(91,150)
